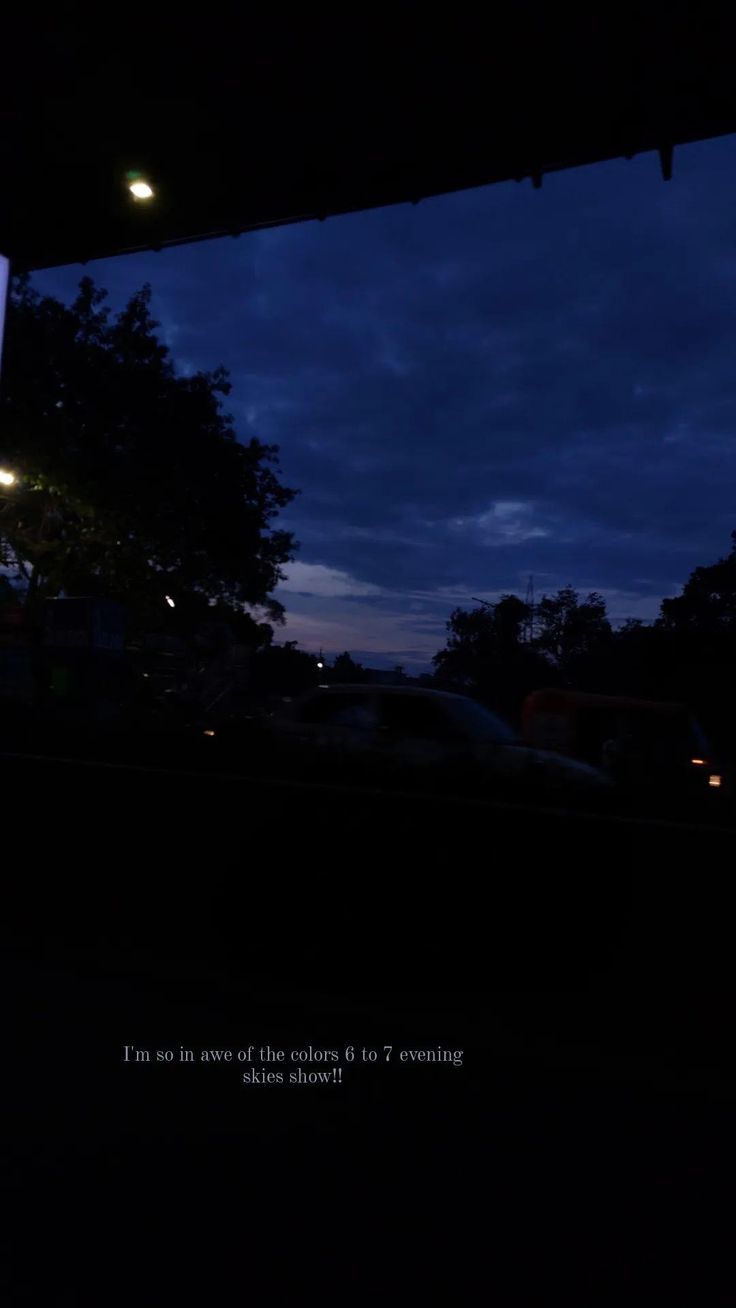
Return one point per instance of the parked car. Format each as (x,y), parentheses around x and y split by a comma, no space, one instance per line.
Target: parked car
(412,731)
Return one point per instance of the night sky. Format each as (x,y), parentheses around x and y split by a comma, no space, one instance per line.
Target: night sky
(487,385)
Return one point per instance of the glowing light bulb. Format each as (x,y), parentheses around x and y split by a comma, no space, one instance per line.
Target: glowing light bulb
(141,190)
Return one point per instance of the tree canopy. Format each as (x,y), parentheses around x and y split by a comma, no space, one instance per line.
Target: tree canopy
(569,629)
(487,655)
(501,652)
(345,670)
(284,669)
(131,480)
(708,600)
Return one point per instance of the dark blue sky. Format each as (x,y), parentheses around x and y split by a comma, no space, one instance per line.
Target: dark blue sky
(489,384)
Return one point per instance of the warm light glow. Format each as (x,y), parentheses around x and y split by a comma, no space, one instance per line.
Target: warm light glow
(6,478)
(699,762)
(209,733)
(141,190)
(170,602)
(714,780)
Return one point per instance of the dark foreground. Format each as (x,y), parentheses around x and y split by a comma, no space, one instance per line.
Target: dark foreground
(583,1151)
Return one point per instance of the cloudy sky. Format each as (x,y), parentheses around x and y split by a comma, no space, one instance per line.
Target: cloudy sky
(488,385)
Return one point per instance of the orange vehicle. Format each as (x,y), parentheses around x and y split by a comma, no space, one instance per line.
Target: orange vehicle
(640,742)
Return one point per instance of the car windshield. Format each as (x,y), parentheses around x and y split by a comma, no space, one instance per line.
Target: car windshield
(476,721)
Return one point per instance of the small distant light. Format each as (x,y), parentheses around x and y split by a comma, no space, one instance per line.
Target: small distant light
(320,665)
(170,602)
(141,190)
(6,478)
(699,762)
(714,780)
(209,733)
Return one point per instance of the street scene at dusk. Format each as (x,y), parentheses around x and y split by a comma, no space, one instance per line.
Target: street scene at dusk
(367,647)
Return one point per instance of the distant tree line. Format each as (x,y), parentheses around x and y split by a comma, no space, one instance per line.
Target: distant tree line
(501,652)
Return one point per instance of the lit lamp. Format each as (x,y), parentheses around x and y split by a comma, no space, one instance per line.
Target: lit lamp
(6,478)
(139,188)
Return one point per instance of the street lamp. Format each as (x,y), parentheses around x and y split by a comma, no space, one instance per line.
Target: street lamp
(6,478)
(139,188)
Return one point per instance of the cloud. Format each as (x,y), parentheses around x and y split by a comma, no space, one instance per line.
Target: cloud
(507,522)
(316,579)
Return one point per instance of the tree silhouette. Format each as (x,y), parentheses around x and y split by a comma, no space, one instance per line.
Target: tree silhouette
(686,655)
(486,655)
(284,670)
(570,632)
(696,634)
(708,600)
(131,482)
(346,671)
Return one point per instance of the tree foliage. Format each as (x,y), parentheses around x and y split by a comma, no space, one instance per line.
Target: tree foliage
(491,653)
(569,630)
(695,636)
(687,654)
(132,482)
(486,655)
(345,670)
(284,670)
(707,604)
